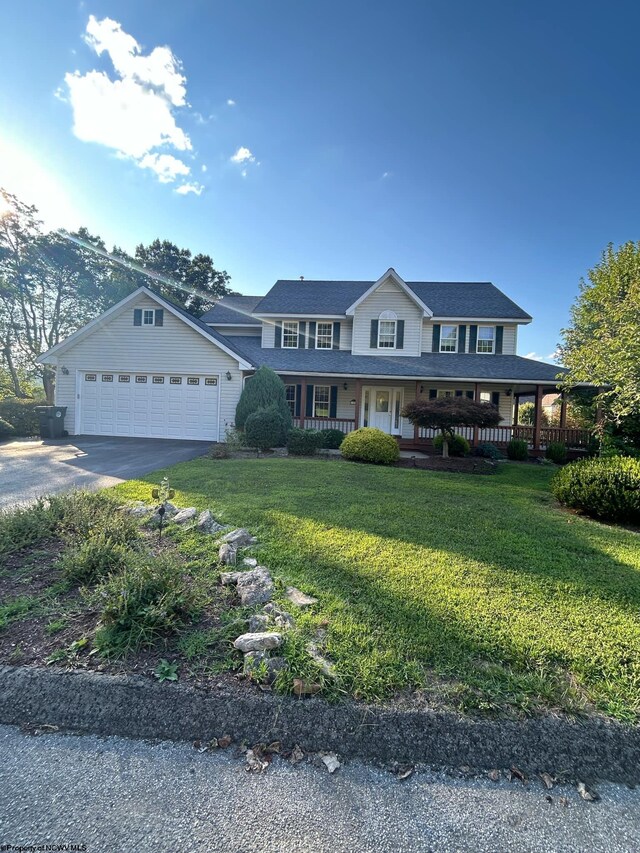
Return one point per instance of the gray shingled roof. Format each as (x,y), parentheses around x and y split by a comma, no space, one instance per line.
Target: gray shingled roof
(234,310)
(428,365)
(444,298)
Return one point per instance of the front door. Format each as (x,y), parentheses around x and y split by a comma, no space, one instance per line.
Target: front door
(381,407)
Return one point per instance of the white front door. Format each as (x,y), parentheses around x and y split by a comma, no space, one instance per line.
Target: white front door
(381,407)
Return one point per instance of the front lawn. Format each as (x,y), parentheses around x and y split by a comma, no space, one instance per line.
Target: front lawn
(477,590)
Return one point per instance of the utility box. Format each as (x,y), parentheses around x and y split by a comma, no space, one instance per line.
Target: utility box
(51,421)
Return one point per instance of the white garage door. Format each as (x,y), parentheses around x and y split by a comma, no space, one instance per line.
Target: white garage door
(149,405)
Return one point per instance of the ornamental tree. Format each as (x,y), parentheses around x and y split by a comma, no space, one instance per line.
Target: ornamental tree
(262,391)
(447,413)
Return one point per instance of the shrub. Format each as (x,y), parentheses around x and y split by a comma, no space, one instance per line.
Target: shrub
(487,450)
(331,438)
(218,451)
(369,444)
(92,560)
(518,450)
(458,444)
(80,516)
(261,391)
(557,452)
(266,428)
(603,488)
(304,442)
(6,429)
(21,415)
(142,603)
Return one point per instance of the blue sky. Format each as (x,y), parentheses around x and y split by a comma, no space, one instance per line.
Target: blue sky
(453,141)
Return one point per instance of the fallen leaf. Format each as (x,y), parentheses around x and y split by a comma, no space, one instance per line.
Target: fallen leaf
(197,744)
(273,747)
(494,775)
(519,775)
(548,780)
(549,798)
(564,801)
(404,772)
(587,795)
(296,755)
(509,775)
(254,763)
(213,743)
(331,762)
(305,688)
(224,741)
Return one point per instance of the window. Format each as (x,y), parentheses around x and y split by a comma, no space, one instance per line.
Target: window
(290,334)
(321,401)
(175,380)
(324,336)
(107,377)
(485,396)
(90,377)
(141,379)
(148,317)
(387,324)
(193,380)
(158,380)
(124,377)
(290,392)
(486,339)
(446,392)
(449,339)
(211,380)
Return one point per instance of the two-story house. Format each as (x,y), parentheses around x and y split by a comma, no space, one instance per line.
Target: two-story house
(350,353)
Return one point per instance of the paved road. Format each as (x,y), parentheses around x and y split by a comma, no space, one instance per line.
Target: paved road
(29,469)
(117,795)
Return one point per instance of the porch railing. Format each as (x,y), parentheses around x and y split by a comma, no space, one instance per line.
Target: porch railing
(502,435)
(343,424)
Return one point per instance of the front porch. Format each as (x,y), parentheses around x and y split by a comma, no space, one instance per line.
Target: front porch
(348,403)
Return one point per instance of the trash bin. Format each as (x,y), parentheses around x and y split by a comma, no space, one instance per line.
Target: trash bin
(51,421)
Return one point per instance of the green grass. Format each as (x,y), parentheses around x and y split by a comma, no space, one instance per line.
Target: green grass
(476,588)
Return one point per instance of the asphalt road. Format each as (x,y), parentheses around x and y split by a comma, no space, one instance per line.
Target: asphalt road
(117,795)
(29,469)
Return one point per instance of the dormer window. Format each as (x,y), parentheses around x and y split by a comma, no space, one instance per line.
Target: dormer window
(449,339)
(486,339)
(324,336)
(387,328)
(290,334)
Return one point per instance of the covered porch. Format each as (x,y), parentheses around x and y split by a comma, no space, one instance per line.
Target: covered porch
(346,403)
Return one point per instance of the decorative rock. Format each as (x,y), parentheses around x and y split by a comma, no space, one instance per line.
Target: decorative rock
(250,561)
(252,661)
(139,511)
(207,524)
(227,555)
(229,578)
(185,515)
(285,620)
(325,666)
(170,509)
(239,538)
(255,587)
(258,622)
(274,666)
(298,598)
(258,642)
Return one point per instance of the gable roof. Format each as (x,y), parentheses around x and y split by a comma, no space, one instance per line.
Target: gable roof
(177,310)
(447,299)
(459,366)
(391,275)
(233,311)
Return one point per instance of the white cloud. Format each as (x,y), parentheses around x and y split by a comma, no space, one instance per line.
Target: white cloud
(134,113)
(548,358)
(203,167)
(185,189)
(244,173)
(386,175)
(243,155)
(166,167)
(231,102)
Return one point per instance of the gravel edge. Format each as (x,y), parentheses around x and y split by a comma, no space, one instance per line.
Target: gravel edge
(136,707)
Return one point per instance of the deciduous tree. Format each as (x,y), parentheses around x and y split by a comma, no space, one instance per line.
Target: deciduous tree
(447,413)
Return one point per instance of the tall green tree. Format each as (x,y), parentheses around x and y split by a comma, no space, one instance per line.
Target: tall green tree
(602,344)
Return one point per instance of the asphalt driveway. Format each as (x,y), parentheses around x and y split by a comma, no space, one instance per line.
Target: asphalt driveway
(29,469)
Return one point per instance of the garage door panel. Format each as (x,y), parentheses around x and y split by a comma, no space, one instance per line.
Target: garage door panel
(139,407)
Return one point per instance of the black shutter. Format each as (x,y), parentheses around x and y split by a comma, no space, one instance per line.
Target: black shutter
(470,395)
(302,328)
(458,393)
(278,340)
(473,338)
(373,341)
(137,316)
(433,393)
(333,401)
(462,338)
(499,337)
(159,317)
(495,398)
(312,334)
(435,343)
(298,396)
(336,335)
(400,334)
(309,411)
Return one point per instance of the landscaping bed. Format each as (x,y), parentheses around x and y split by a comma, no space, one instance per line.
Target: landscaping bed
(434,591)
(453,464)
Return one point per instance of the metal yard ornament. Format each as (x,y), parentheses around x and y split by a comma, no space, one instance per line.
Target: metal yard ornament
(163,494)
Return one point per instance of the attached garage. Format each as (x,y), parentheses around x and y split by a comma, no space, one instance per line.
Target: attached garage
(149,405)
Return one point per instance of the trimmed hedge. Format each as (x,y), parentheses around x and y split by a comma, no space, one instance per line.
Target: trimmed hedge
(603,488)
(304,442)
(266,428)
(557,452)
(21,415)
(518,450)
(369,444)
(458,444)
(487,450)
(331,438)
